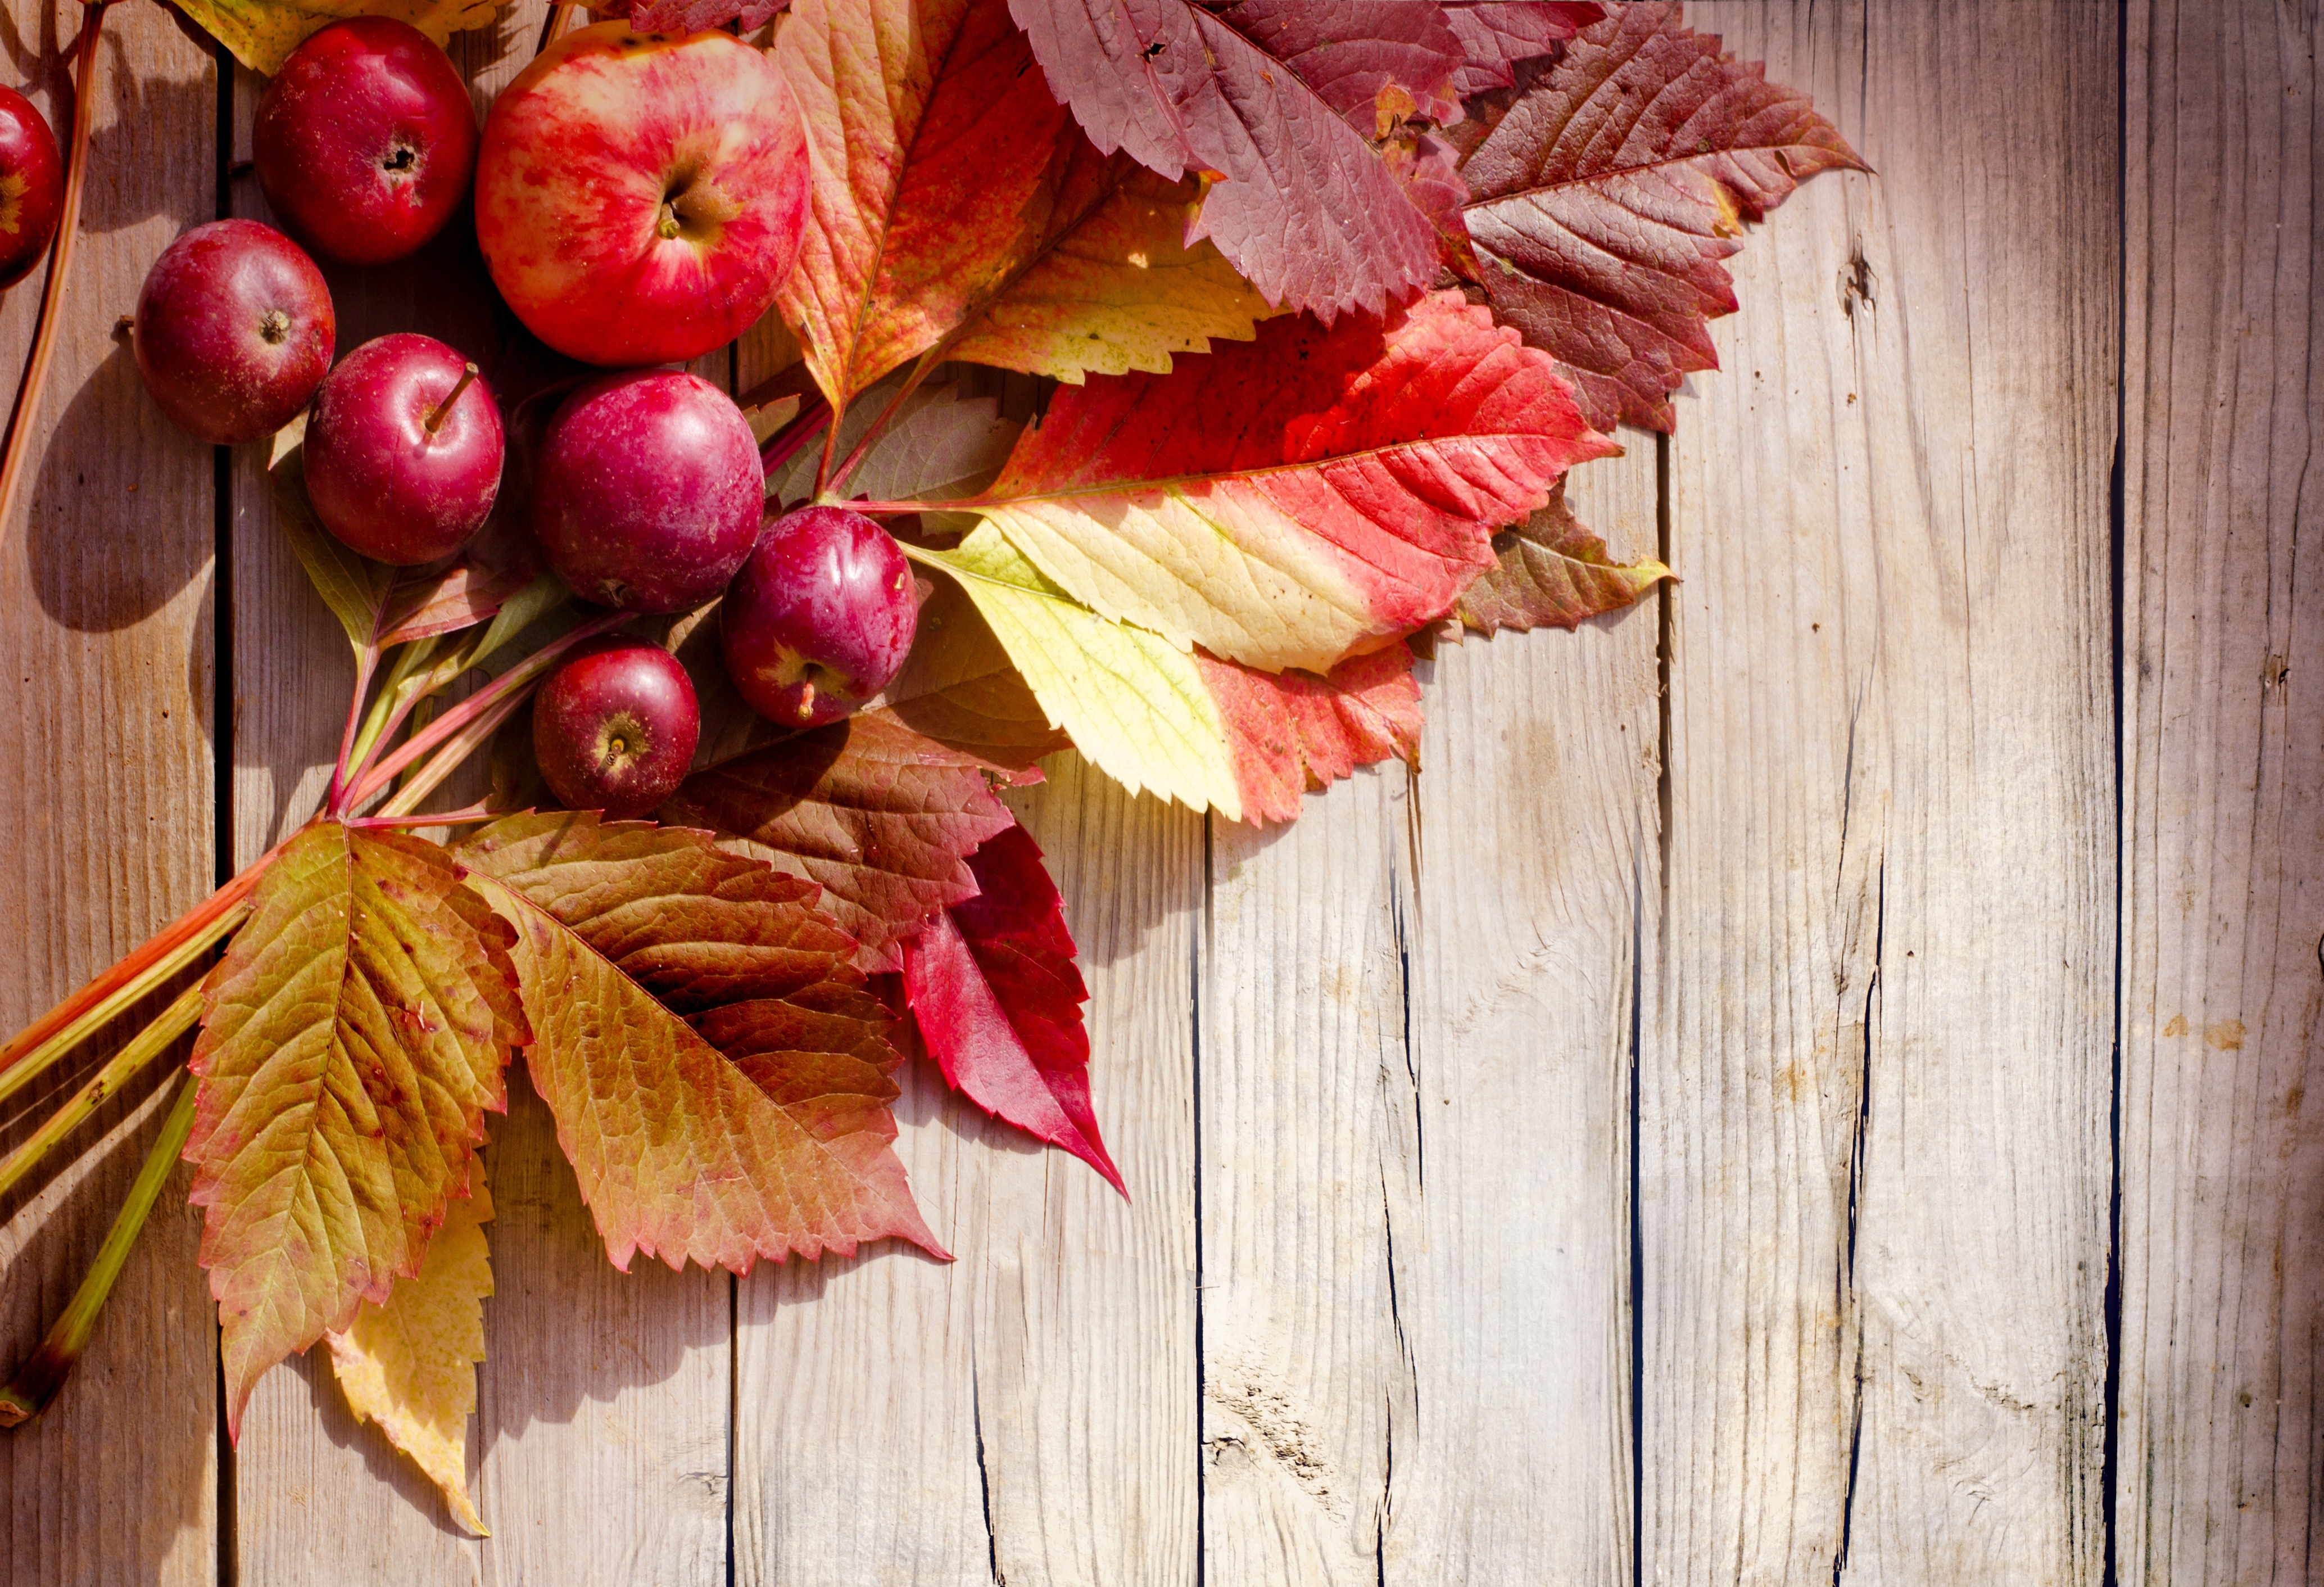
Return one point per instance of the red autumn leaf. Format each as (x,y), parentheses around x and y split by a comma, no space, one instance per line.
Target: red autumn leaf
(1605,199)
(352,1039)
(1289,501)
(1496,34)
(1277,98)
(1290,732)
(718,1072)
(1552,572)
(993,985)
(692,16)
(883,819)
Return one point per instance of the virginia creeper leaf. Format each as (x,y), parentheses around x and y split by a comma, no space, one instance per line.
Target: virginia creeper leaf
(1496,34)
(352,1039)
(501,565)
(928,129)
(718,1075)
(1607,196)
(1108,280)
(939,442)
(884,819)
(1550,572)
(1261,93)
(354,587)
(1187,727)
(411,1364)
(693,16)
(993,985)
(1286,502)
(959,687)
(262,33)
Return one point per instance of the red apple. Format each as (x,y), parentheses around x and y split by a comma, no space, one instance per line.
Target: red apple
(647,491)
(31,187)
(614,728)
(639,197)
(403,450)
(365,140)
(233,332)
(819,619)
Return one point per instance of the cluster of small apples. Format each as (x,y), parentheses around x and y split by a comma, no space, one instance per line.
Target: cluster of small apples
(639,199)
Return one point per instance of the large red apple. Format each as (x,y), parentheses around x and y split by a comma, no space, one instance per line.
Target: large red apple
(640,196)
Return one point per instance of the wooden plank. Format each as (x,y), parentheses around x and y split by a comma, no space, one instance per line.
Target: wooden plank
(106,819)
(2221,1438)
(1875,1075)
(1409,999)
(1027,1413)
(599,1453)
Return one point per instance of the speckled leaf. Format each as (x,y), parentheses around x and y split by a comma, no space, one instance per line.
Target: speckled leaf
(1550,572)
(262,33)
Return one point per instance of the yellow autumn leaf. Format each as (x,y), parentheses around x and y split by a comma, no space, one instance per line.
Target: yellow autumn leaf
(262,33)
(1135,703)
(409,1365)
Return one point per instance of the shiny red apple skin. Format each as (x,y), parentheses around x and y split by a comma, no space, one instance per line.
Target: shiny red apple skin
(647,491)
(233,332)
(365,140)
(819,619)
(32,186)
(614,728)
(377,476)
(609,139)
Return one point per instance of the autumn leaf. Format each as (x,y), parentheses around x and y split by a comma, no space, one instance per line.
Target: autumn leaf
(928,130)
(938,441)
(262,33)
(354,587)
(718,1075)
(992,986)
(1550,572)
(503,564)
(1606,198)
(881,817)
(352,1039)
(1277,98)
(959,687)
(1286,502)
(410,1364)
(694,16)
(1182,724)
(1496,34)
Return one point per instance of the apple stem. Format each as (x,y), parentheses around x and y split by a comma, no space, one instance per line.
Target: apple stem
(444,408)
(52,293)
(36,1382)
(144,1048)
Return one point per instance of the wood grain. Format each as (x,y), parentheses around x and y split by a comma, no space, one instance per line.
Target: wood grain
(1026,1414)
(106,819)
(599,1452)
(1875,1071)
(2221,1436)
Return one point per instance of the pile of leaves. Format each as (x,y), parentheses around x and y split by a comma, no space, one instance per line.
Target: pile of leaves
(1326,299)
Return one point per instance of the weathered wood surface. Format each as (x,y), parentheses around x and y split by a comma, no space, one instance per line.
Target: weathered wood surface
(2221,1441)
(1671,1136)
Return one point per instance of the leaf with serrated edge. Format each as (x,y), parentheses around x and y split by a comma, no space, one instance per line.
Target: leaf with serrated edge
(1551,573)
(959,687)
(1292,733)
(1607,196)
(1135,703)
(695,16)
(940,442)
(352,1039)
(883,819)
(1496,34)
(1269,95)
(718,1075)
(992,986)
(356,588)
(928,131)
(410,1364)
(1286,502)
(262,33)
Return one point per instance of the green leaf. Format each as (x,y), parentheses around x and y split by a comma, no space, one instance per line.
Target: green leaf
(352,1039)
(718,1074)
(354,587)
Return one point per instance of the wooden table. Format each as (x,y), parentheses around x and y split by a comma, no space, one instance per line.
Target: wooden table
(1806,1085)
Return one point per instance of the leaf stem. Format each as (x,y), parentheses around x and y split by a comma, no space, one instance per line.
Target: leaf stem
(510,686)
(450,758)
(147,1044)
(52,293)
(878,426)
(969,506)
(792,439)
(432,818)
(380,722)
(366,664)
(553,26)
(36,1382)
